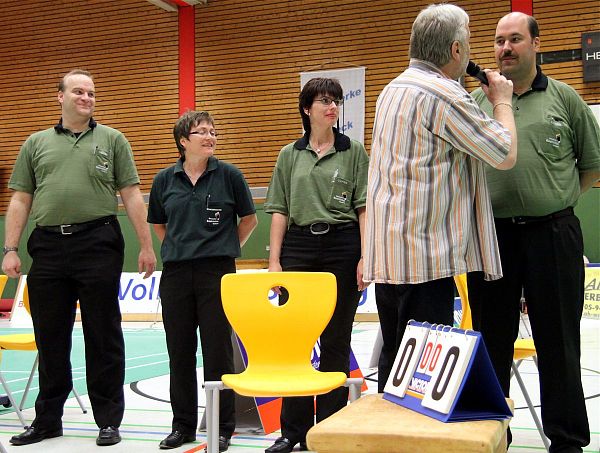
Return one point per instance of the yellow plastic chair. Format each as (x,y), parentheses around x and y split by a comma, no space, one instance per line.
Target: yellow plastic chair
(278,339)
(524,349)
(23,342)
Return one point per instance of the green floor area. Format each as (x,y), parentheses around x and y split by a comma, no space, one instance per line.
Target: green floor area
(145,351)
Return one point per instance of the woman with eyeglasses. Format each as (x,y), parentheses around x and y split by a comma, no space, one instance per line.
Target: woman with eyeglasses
(194,206)
(317,198)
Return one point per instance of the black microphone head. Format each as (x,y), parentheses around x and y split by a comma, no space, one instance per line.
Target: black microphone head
(473,69)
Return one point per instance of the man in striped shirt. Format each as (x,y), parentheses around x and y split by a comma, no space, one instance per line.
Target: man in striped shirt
(428,210)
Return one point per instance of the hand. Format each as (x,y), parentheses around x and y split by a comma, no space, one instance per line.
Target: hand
(275,267)
(362,285)
(146,262)
(500,89)
(11,265)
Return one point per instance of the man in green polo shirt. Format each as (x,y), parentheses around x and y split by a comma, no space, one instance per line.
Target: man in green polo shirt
(539,237)
(66,178)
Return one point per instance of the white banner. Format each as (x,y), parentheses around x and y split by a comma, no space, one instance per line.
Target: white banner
(352,114)
(136,295)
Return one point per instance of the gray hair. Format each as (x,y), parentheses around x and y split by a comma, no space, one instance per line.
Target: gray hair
(435,29)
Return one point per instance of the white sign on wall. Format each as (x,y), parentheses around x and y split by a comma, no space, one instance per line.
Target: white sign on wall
(352,114)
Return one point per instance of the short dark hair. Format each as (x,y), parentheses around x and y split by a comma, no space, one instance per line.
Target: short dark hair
(534,28)
(313,88)
(184,125)
(62,82)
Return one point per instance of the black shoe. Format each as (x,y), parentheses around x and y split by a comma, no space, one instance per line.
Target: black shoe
(284,445)
(33,435)
(176,439)
(223,444)
(109,435)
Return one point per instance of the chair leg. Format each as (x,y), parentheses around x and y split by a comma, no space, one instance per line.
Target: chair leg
(354,385)
(213,389)
(12,402)
(28,385)
(534,415)
(79,400)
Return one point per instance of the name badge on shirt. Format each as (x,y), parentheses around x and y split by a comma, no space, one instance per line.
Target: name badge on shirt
(213,213)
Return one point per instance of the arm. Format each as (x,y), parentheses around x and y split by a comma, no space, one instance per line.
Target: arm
(587,179)
(499,92)
(246,227)
(359,268)
(161,230)
(276,235)
(16,219)
(136,211)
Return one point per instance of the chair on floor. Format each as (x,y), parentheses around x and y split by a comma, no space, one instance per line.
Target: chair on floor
(524,349)
(278,339)
(23,342)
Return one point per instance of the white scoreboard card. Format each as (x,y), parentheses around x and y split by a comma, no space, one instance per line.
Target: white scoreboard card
(448,370)
(406,360)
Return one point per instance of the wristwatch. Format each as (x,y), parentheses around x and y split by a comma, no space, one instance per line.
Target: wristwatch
(6,249)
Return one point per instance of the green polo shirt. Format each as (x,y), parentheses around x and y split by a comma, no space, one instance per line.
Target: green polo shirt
(307,189)
(201,219)
(558,137)
(74,179)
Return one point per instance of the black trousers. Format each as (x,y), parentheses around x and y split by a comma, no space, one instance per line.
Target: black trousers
(190,294)
(431,301)
(84,266)
(545,260)
(337,252)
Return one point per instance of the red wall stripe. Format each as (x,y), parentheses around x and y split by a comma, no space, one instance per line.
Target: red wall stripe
(522,6)
(187,59)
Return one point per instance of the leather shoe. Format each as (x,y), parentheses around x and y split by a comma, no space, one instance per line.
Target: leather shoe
(223,444)
(284,445)
(109,435)
(33,435)
(176,439)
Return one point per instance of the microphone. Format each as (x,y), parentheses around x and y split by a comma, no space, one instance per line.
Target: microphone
(475,71)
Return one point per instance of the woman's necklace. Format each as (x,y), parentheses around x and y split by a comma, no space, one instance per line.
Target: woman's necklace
(324,147)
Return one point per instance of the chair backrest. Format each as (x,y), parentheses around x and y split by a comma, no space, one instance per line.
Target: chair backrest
(284,334)
(26,299)
(461,284)
(3,280)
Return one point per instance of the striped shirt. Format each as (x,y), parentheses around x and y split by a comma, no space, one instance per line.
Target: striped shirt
(428,209)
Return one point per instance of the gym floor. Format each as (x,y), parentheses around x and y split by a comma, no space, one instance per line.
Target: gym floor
(148,415)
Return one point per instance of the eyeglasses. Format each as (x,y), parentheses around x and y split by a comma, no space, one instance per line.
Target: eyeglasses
(204,133)
(327,101)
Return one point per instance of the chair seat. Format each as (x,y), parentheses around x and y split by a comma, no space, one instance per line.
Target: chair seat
(18,342)
(271,384)
(524,348)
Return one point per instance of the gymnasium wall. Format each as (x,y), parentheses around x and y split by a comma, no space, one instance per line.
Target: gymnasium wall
(248,58)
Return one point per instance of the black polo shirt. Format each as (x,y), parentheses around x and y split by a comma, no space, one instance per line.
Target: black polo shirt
(201,219)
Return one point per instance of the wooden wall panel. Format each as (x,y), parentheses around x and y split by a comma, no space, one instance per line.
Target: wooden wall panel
(130,46)
(248,58)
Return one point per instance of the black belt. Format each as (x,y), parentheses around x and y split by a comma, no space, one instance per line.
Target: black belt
(78,227)
(323,227)
(524,220)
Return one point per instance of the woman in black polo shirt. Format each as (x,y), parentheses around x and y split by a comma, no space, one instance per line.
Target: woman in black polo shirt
(317,198)
(194,206)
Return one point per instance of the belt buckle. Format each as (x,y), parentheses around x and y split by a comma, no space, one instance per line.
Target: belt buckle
(325,231)
(62,230)
(519,220)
